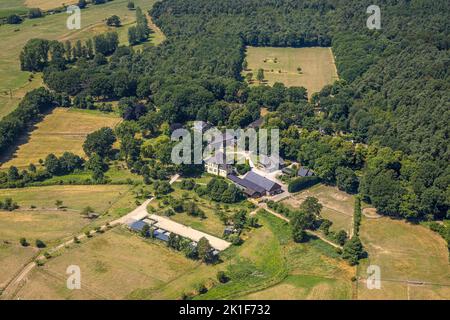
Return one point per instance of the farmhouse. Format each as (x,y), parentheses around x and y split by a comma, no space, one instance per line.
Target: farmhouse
(217,165)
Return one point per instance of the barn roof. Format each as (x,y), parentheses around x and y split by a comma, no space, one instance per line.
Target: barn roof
(262,182)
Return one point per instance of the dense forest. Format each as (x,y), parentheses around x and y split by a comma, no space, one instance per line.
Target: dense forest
(384,126)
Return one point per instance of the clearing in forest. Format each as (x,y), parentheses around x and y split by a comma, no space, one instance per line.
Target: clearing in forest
(312,68)
(60,131)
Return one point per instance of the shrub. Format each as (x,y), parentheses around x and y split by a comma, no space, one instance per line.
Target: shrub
(301,183)
(24,242)
(35,13)
(40,244)
(222,277)
(201,288)
(8,204)
(13,19)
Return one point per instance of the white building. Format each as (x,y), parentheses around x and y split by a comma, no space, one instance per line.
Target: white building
(217,165)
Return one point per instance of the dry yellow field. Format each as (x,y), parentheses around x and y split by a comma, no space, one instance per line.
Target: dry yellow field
(48,4)
(12,258)
(62,130)
(113,266)
(280,65)
(47,223)
(413,261)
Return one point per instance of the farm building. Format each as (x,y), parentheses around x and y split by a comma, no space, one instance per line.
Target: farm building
(305,172)
(249,188)
(256,186)
(269,186)
(217,165)
(137,225)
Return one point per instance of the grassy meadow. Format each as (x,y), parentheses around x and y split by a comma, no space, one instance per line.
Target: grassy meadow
(8,7)
(119,264)
(338,206)
(62,130)
(48,4)
(13,82)
(413,261)
(280,65)
(39,218)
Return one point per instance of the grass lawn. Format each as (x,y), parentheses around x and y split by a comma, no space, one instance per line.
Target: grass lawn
(117,173)
(338,206)
(404,252)
(47,223)
(271,266)
(60,131)
(52,27)
(280,65)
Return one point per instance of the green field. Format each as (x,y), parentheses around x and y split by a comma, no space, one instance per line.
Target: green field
(338,206)
(280,65)
(52,27)
(62,130)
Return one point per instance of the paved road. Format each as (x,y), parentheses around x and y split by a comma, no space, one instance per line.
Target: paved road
(188,232)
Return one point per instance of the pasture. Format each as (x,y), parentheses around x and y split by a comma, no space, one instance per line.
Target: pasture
(60,131)
(8,7)
(113,265)
(39,218)
(52,27)
(48,4)
(12,258)
(338,206)
(317,68)
(413,261)
(119,264)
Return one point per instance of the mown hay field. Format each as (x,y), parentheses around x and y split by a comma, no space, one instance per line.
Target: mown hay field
(413,261)
(280,65)
(60,131)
